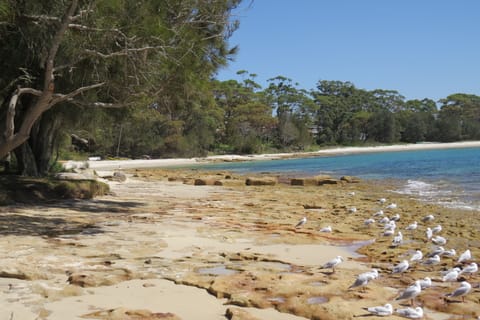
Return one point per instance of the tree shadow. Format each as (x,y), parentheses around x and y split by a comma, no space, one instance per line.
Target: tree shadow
(24,225)
(14,222)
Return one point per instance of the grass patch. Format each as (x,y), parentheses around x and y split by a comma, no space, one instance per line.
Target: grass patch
(18,189)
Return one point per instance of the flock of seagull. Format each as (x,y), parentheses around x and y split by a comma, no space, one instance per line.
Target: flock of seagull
(464,264)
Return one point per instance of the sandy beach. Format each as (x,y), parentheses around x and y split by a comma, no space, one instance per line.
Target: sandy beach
(176,162)
(162,246)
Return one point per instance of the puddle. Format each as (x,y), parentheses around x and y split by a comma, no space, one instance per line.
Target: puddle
(317,283)
(354,246)
(276,299)
(317,300)
(275,266)
(217,271)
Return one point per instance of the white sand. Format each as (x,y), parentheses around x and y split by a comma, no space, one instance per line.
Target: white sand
(178,162)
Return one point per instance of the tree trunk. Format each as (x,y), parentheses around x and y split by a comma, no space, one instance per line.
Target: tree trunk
(34,156)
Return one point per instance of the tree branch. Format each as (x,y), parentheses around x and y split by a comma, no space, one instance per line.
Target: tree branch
(57,98)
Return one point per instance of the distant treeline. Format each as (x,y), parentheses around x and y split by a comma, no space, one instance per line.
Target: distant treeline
(242,117)
(136,79)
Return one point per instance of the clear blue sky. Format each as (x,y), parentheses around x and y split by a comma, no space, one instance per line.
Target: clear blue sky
(421,48)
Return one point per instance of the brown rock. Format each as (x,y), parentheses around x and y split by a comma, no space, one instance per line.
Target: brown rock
(125,314)
(238,314)
(207,182)
(350,179)
(261,181)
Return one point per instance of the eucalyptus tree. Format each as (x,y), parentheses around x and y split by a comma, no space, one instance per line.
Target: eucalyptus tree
(417,120)
(459,117)
(103,54)
(294,109)
(247,123)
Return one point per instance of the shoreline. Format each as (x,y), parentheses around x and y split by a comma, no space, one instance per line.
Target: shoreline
(176,162)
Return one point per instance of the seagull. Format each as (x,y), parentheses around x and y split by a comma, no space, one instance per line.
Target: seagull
(432,260)
(451,275)
(439,240)
(437,229)
(466,255)
(351,193)
(384,220)
(378,213)
(411,313)
(326,229)
(401,267)
(412,227)
(352,210)
(428,218)
(411,292)
(388,232)
(395,217)
(382,200)
(470,269)
(363,279)
(438,251)
(333,263)
(368,222)
(461,291)
(397,240)
(382,311)
(449,253)
(429,233)
(301,222)
(392,206)
(417,256)
(425,283)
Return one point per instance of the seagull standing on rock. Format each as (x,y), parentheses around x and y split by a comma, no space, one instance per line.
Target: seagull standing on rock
(381,311)
(363,279)
(410,313)
(333,263)
(417,256)
(470,269)
(301,222)
(401,267)
(465,256)
(461,291)
(411,292)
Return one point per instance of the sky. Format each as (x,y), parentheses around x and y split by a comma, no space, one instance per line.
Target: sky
(420,48)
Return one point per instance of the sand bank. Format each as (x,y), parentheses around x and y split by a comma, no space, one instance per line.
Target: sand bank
(179,162)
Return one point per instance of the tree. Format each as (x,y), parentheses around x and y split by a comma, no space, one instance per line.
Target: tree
(103,54)
(294,109)
(459,117)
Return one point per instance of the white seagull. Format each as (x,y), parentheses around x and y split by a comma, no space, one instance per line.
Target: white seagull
(395,217)
(437,229)
(470,269)
(412,227)
(368,222)
(451,275)
(410,313)
(382,200)
(392,206)
(397,240)
(425,283)
(326,229)
(439,240)
(449,253)
(429,233)
(301,222)
(363,279)
(428,218)
(411,292)
(465,256)
(461,291)
(417,256)
(401,267)
(333,263)
(352,210)
(432,260)
(438,250)
(381,311)
(378,213)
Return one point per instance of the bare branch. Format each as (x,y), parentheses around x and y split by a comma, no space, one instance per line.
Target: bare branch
(40,17)
(123,52)
(10,117)
(81,27)
(64,97)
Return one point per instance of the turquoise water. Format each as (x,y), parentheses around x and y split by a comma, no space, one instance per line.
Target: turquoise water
(448,176)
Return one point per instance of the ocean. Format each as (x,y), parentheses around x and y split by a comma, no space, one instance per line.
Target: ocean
(450,177)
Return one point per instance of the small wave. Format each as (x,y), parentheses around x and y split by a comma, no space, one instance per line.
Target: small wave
(440,193)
